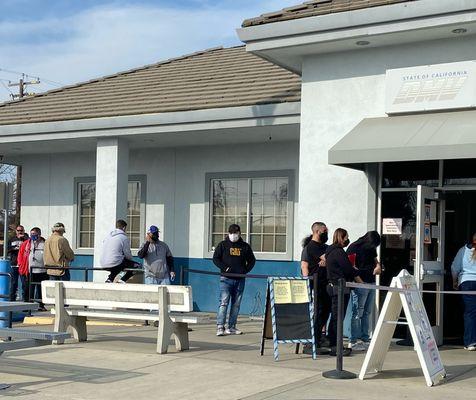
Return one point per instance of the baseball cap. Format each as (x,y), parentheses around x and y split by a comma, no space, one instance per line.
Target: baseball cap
(153,229)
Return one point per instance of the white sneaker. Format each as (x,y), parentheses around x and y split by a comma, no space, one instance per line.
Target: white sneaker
(120,281)
(470,348)
(359,346)
(220,331)
(233,331)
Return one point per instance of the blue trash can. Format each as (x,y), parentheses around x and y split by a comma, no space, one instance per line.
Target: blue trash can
(5,287)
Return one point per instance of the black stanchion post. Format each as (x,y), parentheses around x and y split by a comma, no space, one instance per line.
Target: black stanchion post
(314,299)
(339,372)
(182,272)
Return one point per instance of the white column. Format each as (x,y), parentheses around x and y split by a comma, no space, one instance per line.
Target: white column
(112,170)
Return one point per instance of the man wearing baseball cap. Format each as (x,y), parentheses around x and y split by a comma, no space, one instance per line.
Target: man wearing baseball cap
(58,254)
(158,259)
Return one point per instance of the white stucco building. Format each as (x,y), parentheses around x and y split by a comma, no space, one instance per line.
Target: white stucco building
(334,111)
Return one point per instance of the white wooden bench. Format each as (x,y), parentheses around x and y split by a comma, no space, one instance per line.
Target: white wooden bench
(167,304)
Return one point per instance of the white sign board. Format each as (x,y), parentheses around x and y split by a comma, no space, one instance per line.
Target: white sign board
(431,87)
(418,323)
(392,226)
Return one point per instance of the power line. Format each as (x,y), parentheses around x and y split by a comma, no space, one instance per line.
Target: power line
(9,71)
(6,87)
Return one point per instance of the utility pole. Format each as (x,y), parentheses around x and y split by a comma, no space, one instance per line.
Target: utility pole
(22,84)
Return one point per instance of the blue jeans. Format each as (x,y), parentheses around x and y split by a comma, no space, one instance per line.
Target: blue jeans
(469,301)
(230,289)
(362,307)
(65,277)
(152,280)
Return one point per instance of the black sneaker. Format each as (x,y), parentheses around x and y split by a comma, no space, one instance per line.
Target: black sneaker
(346,352)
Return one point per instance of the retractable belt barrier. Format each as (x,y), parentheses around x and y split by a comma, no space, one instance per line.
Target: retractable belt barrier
(394,289)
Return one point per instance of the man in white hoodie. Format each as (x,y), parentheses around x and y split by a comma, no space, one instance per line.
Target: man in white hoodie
(116,253)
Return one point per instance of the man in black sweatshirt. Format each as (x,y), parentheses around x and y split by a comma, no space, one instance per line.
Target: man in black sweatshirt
(233,256)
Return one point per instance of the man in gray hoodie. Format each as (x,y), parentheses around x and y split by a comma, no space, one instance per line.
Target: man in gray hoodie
(158,259)
(116,253)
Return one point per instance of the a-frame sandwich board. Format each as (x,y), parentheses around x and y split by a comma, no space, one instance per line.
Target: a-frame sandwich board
(417,319)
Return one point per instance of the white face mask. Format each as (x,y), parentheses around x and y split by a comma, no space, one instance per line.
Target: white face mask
(234,237)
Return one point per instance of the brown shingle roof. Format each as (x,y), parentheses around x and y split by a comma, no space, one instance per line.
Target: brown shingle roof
(209,79)
(317,7)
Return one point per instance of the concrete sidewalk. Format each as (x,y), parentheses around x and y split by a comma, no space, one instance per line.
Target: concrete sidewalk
(119,362)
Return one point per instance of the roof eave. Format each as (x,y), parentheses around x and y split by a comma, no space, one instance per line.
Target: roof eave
(327,29)
(218,118)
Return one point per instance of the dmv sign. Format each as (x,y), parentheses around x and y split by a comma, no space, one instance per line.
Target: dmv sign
(431,87)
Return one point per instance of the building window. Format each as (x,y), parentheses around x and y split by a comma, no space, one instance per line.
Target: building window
(258,204)
(86,212)
(87,206)
(269,200)
(133,213)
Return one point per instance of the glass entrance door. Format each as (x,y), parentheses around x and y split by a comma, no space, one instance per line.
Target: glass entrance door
(429,254)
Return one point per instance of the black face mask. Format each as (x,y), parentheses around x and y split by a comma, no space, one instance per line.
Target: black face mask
(346,242)
(323,237)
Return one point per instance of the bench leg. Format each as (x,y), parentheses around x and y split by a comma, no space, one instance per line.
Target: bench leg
(166,326)
(181,336)
(61,316)
(61,325)
(165,331)
(80,331)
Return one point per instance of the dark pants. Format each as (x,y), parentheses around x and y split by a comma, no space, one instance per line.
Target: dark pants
(469,313)
(24,281)
(35,286)
(332,334)
(321,315)
(65,277)
(119,268)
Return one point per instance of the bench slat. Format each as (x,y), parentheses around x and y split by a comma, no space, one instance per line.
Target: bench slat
(135,316)
(29,334)
(115,295)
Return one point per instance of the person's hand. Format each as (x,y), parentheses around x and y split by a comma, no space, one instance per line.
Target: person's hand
(378,269)
(455,285)
(148,237)
(322,262)
(172,276)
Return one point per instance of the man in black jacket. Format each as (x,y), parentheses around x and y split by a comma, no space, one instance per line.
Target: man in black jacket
(233,256)
(13,249)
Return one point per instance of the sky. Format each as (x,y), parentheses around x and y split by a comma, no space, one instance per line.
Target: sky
(69,41)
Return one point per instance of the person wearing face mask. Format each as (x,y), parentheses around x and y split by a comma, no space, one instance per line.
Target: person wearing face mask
(312,262)
(31,264)
(158,259)
(232,255)
(338,267)
(364,250)
(463,271)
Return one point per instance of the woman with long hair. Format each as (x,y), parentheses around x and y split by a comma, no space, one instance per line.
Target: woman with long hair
(364,252)
(338,267)
(463,270)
